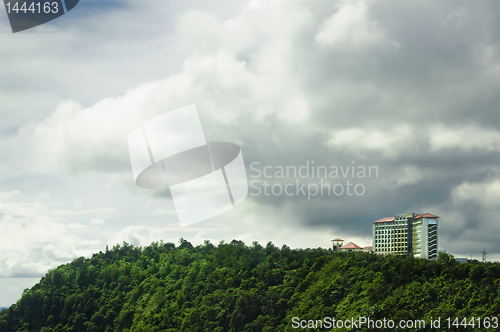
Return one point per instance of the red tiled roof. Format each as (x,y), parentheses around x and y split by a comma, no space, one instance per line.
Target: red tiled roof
(337,239)
(369,247)
(385,219)
(425,215)
(350,245)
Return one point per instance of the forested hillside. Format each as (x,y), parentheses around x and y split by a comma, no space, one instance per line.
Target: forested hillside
(233,287)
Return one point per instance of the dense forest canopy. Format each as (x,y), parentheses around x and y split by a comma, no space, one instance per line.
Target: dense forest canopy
(234,287)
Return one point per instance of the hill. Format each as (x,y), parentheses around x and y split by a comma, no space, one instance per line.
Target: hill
(233,287)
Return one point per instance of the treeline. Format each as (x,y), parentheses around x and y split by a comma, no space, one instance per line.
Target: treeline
(234,287)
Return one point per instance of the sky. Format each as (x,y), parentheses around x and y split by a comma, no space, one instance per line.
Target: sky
(407,89)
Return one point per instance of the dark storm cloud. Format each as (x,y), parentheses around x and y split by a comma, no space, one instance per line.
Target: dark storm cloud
(420,80)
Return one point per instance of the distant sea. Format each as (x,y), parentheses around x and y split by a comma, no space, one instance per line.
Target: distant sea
(3,308)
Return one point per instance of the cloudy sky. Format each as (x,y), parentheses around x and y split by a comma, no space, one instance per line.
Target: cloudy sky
(411,88)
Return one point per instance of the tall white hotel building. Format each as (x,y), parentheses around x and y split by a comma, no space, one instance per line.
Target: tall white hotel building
(411,234)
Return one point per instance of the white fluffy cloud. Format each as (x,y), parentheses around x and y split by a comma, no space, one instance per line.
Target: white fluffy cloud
(466,138)
(486,195)
(351,27)
(37,236)
(226,89)
(390,142)
(397,140)
(76,138)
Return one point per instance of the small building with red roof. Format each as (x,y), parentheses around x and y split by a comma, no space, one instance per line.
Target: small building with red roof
(351,247)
